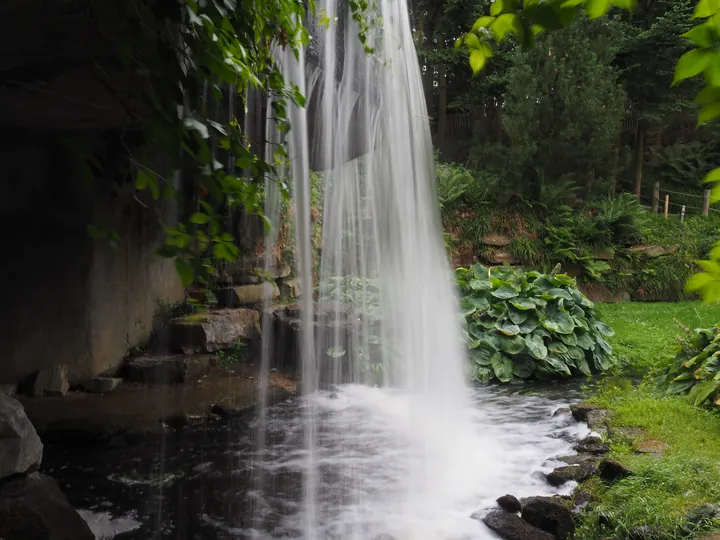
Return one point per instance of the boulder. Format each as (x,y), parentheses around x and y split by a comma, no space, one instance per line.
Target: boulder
(498,257)
(496,239)
(592,445)
(595,418)
(576,473)
(580,500)
(8,389)
(578,459)
(102,385)
(20,446)
(52,381)
(611,470)
(213,330)
(246,295)
(561,411)
(581,410)
(509,503)
(604,254)
(172,369)
(512,527)
(32,507)
(550,515)
(290,288)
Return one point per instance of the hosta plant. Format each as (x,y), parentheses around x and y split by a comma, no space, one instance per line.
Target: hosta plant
(696,369)
(523,325)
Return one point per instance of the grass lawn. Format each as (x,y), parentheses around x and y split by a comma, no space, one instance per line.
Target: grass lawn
(665,492)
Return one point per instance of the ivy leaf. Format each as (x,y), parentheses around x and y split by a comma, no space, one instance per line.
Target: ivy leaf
(185,271)
(690,64)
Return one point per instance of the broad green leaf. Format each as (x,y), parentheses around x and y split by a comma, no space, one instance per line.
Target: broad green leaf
(690,64)
(480,285)
(701,35)
(517,316)
(597,8)
(559,322)
(223,251)
(712,176)
(496,8)
(584,340)
(472,41)
(524,367)
(505,24)
(604,329)
(708,113)
(536,346)
(557,347)
(701,392)
(559,293)
(483,374)
(569,339)
(505,292)
(483,353)
(522,303)
(502,367)
(706,8)
(482,22)
(185,272)
(477,301)
(507,328)
(199,218)
(583,366)
(477,60)
(530,324)
(512,345)
(708,95)
(557,365)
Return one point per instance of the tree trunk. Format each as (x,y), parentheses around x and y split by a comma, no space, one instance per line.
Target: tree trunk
(639,159)
(616,161)
(442,124)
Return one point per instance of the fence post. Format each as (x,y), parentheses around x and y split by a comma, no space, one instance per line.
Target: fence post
(706,203)
(682,213)
(667,205)
(656,197)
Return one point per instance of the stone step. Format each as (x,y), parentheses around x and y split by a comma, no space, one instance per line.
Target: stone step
(213,330)
(168,369)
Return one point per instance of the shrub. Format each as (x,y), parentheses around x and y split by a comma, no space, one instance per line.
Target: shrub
(696,368)
(523,325)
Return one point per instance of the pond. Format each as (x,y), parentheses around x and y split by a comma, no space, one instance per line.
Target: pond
(377,473)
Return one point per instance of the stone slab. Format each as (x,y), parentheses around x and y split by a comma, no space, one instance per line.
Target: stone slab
(52,381)
(247,295)
(213,330)
(175,369)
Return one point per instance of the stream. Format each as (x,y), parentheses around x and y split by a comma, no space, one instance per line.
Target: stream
(202,483)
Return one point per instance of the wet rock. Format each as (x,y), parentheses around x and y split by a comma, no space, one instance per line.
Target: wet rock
(576,473)
(611,470)
(168,369)
(581,410)
(245,295)
(509,503)
(581,499)
(592,445)
(596,418)
(8,389)
(102,385)
(704,513)
(549,515)
(290,288)
(32,507)
(20,446)
(655,448)
(578,459)
(643,532)
(51,381)
(512,527)
(213,330)
(496,239)
(333,395)
(561,411)
(384,536)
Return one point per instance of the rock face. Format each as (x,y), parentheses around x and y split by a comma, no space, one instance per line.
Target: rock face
(512,527)
(51,382)
(496,239)
(32,507)
(20,446)
(581,410)
(290,288)
(245,295)
(214,330)
(168,369)
(654,251)
(549,515)
(498,257)
(611,470)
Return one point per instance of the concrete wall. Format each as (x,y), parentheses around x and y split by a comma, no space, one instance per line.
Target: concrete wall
(66,298)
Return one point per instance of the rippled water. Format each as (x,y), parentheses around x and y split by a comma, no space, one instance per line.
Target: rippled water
(195,484)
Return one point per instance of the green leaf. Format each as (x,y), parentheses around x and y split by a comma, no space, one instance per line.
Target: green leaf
(223,251)
(505,24)
(604,329)
(702,391)
(522,303)
(512,345)
(199,218)
(496,8)
(505,292)
(477,60)
(557,366)
(559,293)
(482,22)
(706,8)
(530,324)
(559,322)
(480,285)
(690,64)
(712,176)
(502,367)
(185,271)
(507,328)
(524,367)
(483,374)
(536,346)
(483,353)
(597,8)
(472,41)
(557,347)
(517,316)
(708,113)
(584,340)
(583,366)
(702,35)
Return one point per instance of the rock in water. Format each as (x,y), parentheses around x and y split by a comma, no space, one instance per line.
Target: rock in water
(512,527)
(32,507)
(510,503)
(611,470)
(549,515)
(20,446)
(578,473)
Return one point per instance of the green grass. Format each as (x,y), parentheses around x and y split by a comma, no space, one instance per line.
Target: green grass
(645,332)
(664,492)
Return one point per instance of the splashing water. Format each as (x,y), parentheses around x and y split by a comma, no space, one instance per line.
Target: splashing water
(393,319)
